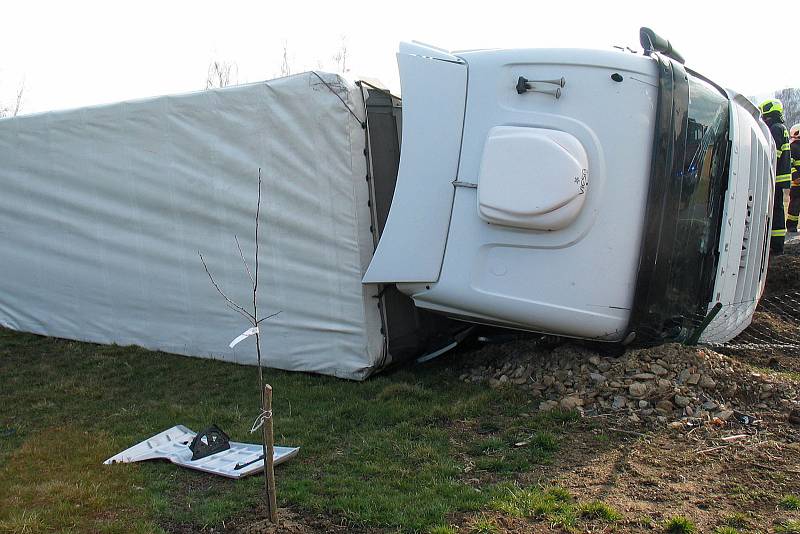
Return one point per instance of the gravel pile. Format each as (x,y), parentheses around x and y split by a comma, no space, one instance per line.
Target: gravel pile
(657,385)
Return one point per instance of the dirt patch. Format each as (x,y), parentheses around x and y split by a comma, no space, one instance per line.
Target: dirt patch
(290,521)
(783,274)
(775,331)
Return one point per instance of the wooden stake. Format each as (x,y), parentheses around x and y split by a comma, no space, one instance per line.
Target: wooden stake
(268,445)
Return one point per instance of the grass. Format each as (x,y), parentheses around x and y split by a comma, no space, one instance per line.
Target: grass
(391,451)
(790,502)
(734,522)
(553,504)
(599,510)
(484,525)
(679,525)
(788,527)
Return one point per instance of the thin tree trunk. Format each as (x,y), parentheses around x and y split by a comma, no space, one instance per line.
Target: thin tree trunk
(268,441)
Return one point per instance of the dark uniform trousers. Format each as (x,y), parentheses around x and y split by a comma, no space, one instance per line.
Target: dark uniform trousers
(783,177)
(794,192)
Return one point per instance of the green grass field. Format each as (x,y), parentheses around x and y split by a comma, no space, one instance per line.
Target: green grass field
(395,451)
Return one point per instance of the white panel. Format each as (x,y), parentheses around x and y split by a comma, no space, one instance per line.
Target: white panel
(578,280)
(748,207)
(532,178)
(412,245)
(103,211)
(416,48)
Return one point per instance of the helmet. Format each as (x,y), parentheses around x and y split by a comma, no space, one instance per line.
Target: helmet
(770,106)
(794,131)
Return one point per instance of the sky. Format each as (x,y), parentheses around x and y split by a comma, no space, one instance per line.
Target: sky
(79,53)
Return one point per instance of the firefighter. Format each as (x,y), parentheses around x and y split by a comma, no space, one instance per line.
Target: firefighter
(772,113)
(794,193)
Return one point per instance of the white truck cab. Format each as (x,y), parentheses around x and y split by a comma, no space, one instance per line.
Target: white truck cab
(601,195)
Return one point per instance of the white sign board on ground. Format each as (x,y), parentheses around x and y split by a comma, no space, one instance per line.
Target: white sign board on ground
(240,460)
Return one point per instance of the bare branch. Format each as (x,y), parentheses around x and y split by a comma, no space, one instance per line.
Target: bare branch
(286,69)
(258,211)
(341,56)
(221,74)
(219,290)
(241,255)
(267,317)
(18,106)
(239,312)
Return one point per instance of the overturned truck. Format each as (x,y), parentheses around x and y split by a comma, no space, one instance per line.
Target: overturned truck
(609,196)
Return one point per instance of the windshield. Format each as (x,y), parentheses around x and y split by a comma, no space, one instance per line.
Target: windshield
(689,176)
(702,180)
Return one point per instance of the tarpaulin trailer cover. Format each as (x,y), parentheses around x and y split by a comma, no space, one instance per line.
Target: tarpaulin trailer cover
(103,211)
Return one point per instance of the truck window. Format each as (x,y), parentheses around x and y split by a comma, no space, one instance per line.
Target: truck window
(703,177)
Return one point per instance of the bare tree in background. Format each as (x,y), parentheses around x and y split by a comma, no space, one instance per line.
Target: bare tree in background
(341,56)
(13,112)
(286,69)
(790,98)
(221,74)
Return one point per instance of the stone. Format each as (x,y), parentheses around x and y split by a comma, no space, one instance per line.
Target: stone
(689,411)
(657,370)
(594,360)
(619,402)
(597,377)
(693,379)
(637,389)
(725,415)
(570,403)
(706,382)
(709,405)
(643,404)
(683,376)
(794,417)
(548,405)
(548,381)
(643,376)
(664,407)
(503,379)
(682,401)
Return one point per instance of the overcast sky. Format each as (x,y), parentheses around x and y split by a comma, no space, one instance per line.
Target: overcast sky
(79,53)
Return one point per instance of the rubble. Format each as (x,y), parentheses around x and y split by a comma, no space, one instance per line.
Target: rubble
(657,385)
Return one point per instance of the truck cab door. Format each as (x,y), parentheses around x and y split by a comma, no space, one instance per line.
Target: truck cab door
(434,86)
